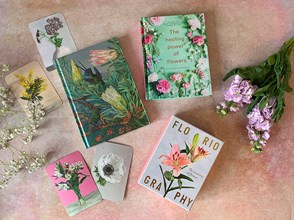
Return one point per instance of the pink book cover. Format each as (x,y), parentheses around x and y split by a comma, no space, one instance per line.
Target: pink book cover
(73,183)
(180,162)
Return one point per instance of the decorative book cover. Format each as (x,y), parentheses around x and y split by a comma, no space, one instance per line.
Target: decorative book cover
(73,183)
(102,92)
(176,57)
(180,162)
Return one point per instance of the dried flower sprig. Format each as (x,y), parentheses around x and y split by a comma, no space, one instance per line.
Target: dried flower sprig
(21,159)
(262,87)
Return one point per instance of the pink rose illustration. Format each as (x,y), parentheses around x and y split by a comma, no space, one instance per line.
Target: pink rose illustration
(186,85)
(156,21)
(189,34)
(163,86)
(148,39)
(177,77)
(199,40)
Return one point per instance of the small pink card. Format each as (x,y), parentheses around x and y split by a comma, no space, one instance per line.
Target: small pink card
(73,183)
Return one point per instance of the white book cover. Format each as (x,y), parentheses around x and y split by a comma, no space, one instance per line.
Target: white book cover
(180,162)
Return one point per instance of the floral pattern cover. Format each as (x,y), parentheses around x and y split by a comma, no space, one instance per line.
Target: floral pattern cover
(176,57)
(101,92)
(180,162)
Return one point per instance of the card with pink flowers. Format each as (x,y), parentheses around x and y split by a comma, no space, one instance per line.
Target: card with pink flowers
(175,56)
(180,162)
(73,183)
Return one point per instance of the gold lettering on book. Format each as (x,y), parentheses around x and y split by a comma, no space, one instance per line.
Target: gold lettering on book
(183,199)
(153,183)
(210,143)
(181,129)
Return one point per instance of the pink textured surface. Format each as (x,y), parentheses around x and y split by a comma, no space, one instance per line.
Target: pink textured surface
(241,185)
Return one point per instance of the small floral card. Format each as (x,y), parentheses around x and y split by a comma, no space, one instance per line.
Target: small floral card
(180,162)
(30,83)
(110,169)
(73,182)
(176,57)
(53,38)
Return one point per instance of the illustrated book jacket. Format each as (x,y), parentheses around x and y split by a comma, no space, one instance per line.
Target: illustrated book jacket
(101,92)
(175,56)
(180,162)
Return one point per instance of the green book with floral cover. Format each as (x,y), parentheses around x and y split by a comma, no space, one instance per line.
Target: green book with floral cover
(176,57)
(101,92)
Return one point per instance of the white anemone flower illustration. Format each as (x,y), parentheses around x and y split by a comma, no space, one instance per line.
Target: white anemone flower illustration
(111,167)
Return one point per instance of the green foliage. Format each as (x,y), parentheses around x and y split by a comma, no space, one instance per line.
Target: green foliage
(272,78)
(100,180)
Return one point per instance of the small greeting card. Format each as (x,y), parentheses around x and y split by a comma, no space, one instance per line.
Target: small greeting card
(110,169)
(30,83)
(53,38)
(180,162)
(175,56)
(73,183)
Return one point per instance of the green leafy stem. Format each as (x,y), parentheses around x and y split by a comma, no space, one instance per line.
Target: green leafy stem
(167,176)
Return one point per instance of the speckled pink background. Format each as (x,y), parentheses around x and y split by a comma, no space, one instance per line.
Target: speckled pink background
(241,185)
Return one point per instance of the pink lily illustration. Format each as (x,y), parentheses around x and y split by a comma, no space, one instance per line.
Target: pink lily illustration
(196,152)
(176,160)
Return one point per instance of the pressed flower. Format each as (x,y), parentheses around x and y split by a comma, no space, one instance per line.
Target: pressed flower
(176,160)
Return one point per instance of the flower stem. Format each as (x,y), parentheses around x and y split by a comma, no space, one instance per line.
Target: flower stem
(168,188)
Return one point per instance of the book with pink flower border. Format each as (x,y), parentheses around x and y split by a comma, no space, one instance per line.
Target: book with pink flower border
(73,183)
(180,162)
(175,56)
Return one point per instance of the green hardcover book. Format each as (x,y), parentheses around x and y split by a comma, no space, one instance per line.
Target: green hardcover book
(101,92)
(176,57)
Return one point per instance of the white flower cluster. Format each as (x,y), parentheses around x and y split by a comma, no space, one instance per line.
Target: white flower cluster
(31,163)
(6,102)
(62,186)
(76,166)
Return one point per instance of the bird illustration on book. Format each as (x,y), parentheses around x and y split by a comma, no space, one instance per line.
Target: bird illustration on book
(90,76)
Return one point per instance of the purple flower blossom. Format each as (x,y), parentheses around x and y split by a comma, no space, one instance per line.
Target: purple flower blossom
(259,124)
(239,93)
(148,62)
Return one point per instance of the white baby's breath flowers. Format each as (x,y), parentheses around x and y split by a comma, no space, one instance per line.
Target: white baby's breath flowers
(20,159)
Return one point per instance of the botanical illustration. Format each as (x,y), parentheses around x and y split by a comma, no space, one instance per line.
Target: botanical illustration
(71,177)
(52,35)
(110,169)
(103,92)
(33,86)
(178,160)
(188,75)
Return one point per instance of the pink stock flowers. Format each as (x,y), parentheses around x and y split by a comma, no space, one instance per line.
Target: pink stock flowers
(259,124)
(239,93)
(176,160)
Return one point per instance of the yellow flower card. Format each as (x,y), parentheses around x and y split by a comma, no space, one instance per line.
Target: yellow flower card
(30,83)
